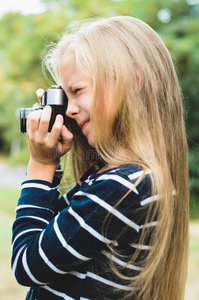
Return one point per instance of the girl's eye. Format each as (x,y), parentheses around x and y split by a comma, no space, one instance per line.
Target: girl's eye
(76,91)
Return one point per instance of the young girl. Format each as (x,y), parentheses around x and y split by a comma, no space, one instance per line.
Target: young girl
(122,231)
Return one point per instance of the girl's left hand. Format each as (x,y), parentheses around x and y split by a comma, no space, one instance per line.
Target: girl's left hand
(45,147)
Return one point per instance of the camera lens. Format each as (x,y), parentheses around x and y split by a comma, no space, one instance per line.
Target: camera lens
(24,112)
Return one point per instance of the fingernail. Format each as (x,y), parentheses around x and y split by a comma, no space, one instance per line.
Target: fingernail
(59,117)
(47,107)
(39,92)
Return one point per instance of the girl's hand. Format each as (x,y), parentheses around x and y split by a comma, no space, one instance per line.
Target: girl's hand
(45,147)
(39,94)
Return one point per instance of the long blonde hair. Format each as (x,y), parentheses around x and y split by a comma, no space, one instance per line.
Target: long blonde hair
(140,122)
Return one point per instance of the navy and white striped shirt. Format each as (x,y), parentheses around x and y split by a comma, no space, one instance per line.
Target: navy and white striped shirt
(59,249)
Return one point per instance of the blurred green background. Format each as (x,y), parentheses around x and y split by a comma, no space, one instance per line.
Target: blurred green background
(22,42)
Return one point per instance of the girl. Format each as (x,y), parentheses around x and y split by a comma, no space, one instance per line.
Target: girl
(122,231)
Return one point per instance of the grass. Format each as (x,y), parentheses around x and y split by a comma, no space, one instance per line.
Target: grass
(192,292)
(9,288)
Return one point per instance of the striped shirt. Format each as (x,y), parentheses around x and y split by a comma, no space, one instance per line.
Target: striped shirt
(59,249)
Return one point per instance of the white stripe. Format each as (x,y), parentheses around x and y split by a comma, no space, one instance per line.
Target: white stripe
(108,282)
(65,245)
(154,198)
(121,262)
(66,199)
(135,175)
(115,170)
(24,232)
(59,294)
(14,265)
(149,224)
(77,274)
(37,186)
(32,206)
(98,278)
(91,182)
(45,258)
(82,298)
(89,228)
(28,272)
(142,247)
(119,179)
(109,208)
(149,199)
(138,174)
(35,218)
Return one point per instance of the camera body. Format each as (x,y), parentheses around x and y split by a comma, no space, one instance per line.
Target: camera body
(56,98)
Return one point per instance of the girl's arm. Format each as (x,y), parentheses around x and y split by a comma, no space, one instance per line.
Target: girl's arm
(46,245)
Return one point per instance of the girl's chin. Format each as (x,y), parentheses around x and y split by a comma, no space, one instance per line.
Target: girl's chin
(87,133)
(90,141)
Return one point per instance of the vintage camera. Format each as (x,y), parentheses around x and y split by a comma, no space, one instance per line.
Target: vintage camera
(56,98)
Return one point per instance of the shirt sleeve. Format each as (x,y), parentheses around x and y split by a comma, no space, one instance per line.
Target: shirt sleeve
(47,244)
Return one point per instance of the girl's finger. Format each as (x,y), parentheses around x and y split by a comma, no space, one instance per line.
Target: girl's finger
(33,120)
(36,105)
(56,129)
(39,94)
(67,139)
(45,120)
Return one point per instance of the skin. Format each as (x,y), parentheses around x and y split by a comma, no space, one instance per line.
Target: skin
(45,148)
(79,90)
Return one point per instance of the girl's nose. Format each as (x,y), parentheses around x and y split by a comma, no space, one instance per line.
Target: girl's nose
(72,110)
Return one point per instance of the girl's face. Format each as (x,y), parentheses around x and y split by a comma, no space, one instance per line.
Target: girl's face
(79,90)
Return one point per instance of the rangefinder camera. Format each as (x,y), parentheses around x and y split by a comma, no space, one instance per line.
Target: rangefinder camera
(56,98)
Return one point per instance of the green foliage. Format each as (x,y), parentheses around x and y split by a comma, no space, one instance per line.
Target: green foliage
(21,44)
(8,201)
(194,208)
(183,44)
(182,40)
(23,40)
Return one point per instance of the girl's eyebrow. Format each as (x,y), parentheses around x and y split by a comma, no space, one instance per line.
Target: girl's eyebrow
(73,84)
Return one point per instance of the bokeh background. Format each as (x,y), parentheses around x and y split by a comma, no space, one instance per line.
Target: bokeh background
(24,35)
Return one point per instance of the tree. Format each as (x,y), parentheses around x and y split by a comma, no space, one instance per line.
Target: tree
(23,40)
